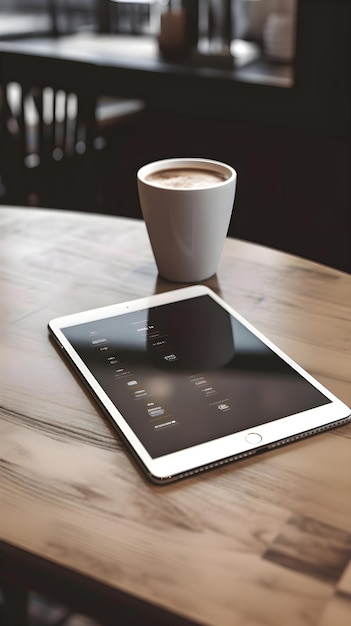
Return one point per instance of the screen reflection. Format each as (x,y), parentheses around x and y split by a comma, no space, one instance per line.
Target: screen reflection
(188,372)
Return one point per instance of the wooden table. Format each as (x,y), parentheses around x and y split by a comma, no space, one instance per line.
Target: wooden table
(264,541)
(140,53)
(131,66)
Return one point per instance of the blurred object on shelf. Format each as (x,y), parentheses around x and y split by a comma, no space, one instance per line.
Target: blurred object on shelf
(215,25)
(215,28)
(137,17)
(279,37)
(254,16)
(172,35)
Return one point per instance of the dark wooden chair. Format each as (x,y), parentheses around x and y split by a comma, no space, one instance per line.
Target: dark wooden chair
(54,128)
(54,131)
(47,144)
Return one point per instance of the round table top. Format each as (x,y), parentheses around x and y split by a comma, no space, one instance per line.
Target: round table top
(266,540)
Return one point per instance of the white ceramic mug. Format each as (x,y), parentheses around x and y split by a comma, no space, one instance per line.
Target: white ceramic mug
(187,218)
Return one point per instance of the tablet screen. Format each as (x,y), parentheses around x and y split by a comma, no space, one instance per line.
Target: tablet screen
(188,372)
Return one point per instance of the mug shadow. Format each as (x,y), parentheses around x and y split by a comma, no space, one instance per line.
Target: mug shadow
(162,284)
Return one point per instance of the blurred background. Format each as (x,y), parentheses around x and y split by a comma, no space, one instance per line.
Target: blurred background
(261,84)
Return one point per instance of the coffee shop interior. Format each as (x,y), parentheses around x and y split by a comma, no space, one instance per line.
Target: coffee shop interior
(263,85)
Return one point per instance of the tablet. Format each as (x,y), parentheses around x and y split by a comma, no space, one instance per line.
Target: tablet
(189,384)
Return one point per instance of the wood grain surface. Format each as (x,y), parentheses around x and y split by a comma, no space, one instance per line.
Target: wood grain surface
(265,541)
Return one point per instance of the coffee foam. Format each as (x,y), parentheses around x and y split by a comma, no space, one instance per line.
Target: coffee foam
(186,177)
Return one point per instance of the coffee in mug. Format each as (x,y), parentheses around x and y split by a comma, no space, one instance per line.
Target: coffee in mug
(186,177)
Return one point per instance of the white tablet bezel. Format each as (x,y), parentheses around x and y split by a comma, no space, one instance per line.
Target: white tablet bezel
(213,453)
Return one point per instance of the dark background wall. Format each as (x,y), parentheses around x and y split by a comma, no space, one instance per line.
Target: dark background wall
(291,147)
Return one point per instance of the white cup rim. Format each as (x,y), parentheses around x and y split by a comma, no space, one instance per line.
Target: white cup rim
(191,162)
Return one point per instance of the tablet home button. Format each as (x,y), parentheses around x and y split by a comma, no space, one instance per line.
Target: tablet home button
(253,438)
